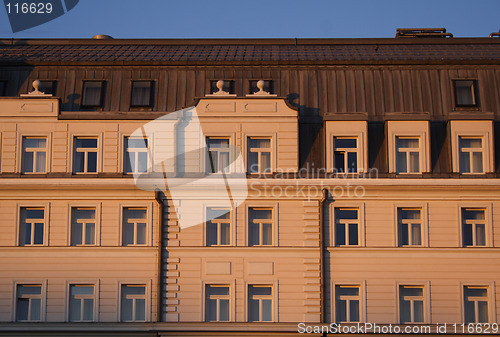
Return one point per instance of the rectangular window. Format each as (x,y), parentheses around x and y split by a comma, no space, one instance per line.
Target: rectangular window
(465,93)
(28,302)
(407,155)
(346,154)
(268,86)
(473,227)
(141,95)
(260,226)
(134,226)
(218,155)
(92,94)
(409,227)
(260,303)
(83,226)
(347,303)
(411,304)
(218,226)
(470,154)
(136,155)
(346,227)
(476,304)
(81,303)
(34,158)
(133,303)
(259,155)
(48,87)
(217,303)
(32,226)
(85,155)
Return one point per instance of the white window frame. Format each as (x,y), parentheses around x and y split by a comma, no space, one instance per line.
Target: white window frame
(219,297)
(409,129)
(98,209)
(148,150)
(409,222)
(229,151)
(34,151)
(274,297)
(488,214)
(345,223)
(361,284)
(73,150)
(472,129)
(148,308)
(347,129)
(471,151)
(149,223)
(490,285)
(43,284)
(43,205)
(360,207)
(426,285)
(424,222)
(230,221)
(275,222)
(272,150)
(218,281)
(475,94)
(95,284)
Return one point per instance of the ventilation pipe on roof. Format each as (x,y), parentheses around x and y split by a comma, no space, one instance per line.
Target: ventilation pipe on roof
(422,32)
(497,34)
(102,37)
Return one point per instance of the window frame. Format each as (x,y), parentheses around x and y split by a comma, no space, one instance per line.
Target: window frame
(361,284)
(42,205)
(231,155)
(347,129)
(490,285)
(275,222)
(149,223)
(475,94)
(98,209)
(229,297)
(488,226)
(48,152)
(346,227)
(43,301)
(101,98)
(232,224)
(470,151)
(272,151)
(98,151)
(151,93)
(148,301)
(274,297)
(95,284)
(472,129)
(229,87)
(360,206)
(149,152)
(424,222)
(53,87)
(426,285)
(409,129)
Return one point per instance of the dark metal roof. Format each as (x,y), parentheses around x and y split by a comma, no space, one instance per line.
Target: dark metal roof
(278,51)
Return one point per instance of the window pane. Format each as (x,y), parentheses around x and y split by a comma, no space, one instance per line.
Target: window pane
(353,311)
(404,311)
(265,162)
(126,309)
(88,309)
(339,161)
(409,213)
(347,291)
(142,164)
(467,235)
(253,164)
(212,163)
(401,162)
(267,310)
(141,94)
(90,234)
(211,310)
(260,291)
(224,161)
(79,162)
(477,162)
(75,309)
(254,234)
(92,93)
(340,234)
(261,213)
(136,143)
(128,234)
(267,234)
(416,239)
(36,304)
(341,311)
(28,162)
(253,310)
(129,162)
(224,310)
(134,213)
(469,312)
(86,142)
(473,214)
(464,162)
(418,311)
(25,234)
(141,233)
(410,291)
(82,290)
(352,161)
(464,93)
(92,162)
(211,234)
(40,162)
(38,239)
(404,235)
(34,142)
(480,235)
(218,291)
(414,162)
(259,143)
(353,234)
(140,309)
(345,143)
(225,234)
(22,309)
(217,143)
(76,234)
(482,307)
(351,214)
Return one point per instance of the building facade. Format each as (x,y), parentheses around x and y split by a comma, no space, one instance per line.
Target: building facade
(366,186)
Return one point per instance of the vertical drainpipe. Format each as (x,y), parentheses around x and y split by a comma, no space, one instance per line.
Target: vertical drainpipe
(160,253)
(324,196)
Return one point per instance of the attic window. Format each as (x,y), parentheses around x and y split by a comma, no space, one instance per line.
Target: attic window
(465,93)
(47,87)
(268,86)
(92,94)
(3,87)
(141,95)
(227,87)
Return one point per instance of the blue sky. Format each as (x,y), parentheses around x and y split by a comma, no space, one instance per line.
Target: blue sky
(264,19)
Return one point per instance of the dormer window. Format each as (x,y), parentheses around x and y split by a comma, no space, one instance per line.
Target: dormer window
(92,94)
(465,93)
(141,95)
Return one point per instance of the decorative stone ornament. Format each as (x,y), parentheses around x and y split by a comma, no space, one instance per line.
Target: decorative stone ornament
(221,92)
(261,92)
(36,92)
